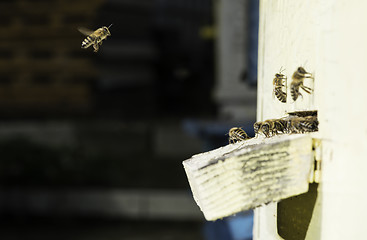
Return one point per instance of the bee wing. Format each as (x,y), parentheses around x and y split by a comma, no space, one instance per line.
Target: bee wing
(85,31)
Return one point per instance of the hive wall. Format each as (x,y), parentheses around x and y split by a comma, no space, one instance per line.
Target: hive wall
(328,40)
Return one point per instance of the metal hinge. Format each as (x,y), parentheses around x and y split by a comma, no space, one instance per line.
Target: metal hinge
(315,175)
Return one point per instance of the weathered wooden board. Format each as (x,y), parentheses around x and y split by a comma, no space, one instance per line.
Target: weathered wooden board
(251,173)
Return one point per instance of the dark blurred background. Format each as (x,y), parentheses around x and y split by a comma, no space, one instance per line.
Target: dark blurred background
(92,144)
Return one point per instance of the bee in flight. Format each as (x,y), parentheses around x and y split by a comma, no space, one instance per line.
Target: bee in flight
(279,86)
(94,38)
(297,82)
(237,134)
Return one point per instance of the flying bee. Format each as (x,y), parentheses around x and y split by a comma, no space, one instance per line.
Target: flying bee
(94,38)
(297,82)
(237,134)
(279,86)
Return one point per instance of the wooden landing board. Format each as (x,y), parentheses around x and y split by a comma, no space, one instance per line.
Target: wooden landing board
(245,175)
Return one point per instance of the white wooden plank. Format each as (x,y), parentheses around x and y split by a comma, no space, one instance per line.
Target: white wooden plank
(248,174)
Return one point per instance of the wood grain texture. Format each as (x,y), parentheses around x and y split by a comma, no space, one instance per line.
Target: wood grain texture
(248,174)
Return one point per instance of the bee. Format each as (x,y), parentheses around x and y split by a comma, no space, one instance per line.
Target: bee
(237,134)
(280,126)
(266,127)
(302,124)
(309,124)
(303,113)
(296,122)
(273,127)
(279,85)
(263,128)
(94,38)
(257,126)
(297,82)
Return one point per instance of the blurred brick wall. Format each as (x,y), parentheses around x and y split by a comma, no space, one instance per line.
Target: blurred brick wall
(42,67)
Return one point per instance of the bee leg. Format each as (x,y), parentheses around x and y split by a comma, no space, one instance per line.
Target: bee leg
(100,43)
(96,44)
(96,47)
(306,89)
(308,75)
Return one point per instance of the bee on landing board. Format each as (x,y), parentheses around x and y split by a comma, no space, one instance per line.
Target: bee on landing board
(266,128)
(302,124)
(280,126)
(272,127)
(94,38)
(296,122)
(309,124)
(302,113)
(279,86)
(257,127)
(297,82)
(237,134)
